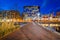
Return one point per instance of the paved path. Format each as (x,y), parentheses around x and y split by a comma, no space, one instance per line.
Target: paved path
(32,31)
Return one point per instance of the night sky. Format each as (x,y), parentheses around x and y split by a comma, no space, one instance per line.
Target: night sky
(46,6)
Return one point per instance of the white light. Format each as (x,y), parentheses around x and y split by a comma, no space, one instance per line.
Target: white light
(2,20)
(8,20)
(34,18)
(38,14)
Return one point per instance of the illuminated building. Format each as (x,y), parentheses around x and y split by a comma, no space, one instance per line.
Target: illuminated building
(45,17)
(8,15)
(31,11)
(1,15)
(58,14)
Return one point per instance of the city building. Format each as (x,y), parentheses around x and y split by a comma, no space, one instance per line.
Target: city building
(58,14)
(31,11)
(45,17)
(10,15)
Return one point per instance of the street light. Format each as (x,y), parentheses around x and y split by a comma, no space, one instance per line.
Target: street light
(38,16)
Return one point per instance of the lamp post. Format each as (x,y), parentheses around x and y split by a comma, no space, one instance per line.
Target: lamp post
(38,16)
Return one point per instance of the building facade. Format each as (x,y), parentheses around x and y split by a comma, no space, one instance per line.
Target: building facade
(31,11)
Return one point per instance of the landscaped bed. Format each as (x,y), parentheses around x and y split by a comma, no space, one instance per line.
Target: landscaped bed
(7,27)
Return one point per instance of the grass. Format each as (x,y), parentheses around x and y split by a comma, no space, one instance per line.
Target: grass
(7,27)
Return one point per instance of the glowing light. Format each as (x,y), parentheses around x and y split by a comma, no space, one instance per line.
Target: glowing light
(7,20)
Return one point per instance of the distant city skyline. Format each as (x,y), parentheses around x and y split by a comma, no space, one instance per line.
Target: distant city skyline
(46,6)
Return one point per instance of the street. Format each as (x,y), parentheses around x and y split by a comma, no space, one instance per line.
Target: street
(32,31)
